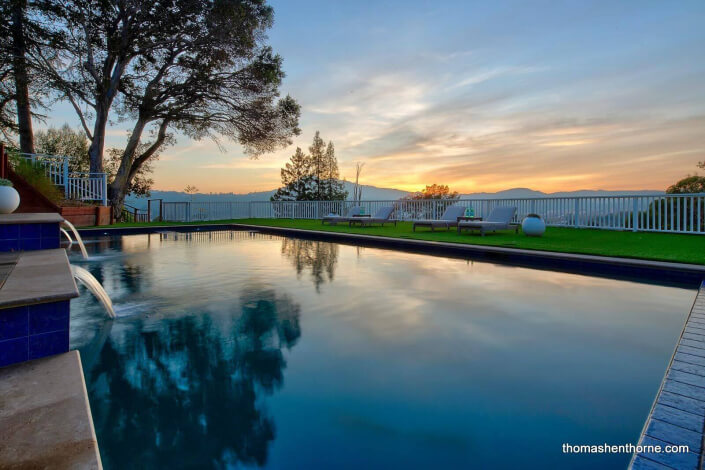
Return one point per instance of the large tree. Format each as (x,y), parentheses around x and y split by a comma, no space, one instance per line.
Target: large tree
(312,177)
(96,43)
(200,67)
(8,110)
(318,165)
(21,75)
(297,179)
(23,88)
(332,188)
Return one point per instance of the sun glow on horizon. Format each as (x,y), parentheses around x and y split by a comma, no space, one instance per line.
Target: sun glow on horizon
(569,97)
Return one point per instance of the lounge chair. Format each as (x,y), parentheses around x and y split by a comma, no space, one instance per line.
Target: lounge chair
(499,219)
(382,216)
(448,219)
(334,219)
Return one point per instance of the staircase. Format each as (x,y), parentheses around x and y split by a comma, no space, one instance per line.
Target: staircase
(76,186)
(84,187)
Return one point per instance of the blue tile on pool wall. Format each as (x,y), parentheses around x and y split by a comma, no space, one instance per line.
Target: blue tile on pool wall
(14,323)
(48,344)
(31,230)
(9,231)
(29,244)
(49,243)
(14,350)
(50,230)
(9,245)
(44,318)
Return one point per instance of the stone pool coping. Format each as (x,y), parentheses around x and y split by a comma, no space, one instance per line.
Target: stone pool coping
(45,418)
(37,277)
(31,218)
(678,413)
(661,272)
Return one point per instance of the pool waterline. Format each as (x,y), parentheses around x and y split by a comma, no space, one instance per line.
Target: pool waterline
(291,353)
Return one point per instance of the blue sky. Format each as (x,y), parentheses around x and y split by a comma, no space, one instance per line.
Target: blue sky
(479,95)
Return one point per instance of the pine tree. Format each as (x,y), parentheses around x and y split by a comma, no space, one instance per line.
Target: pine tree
(318,166)
(312,177)
(297,179)
(334,188)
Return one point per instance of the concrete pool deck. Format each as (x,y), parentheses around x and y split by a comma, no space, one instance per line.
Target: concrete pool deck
(45,419)
(678,414)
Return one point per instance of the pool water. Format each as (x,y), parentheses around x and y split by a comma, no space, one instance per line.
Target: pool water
(243,350)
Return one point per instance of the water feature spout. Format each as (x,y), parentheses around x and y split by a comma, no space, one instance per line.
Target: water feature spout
(87,279)
(78,238)
(66,234)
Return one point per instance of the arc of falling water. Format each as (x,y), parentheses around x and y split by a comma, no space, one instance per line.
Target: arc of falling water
(92,284)
(66,234)
(78,238)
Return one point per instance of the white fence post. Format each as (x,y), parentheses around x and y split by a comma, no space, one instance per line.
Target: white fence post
(66,177)
(105,189)
(635,214)
(674,213)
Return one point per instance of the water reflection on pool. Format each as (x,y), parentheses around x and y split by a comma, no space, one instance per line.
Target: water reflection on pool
(237,349)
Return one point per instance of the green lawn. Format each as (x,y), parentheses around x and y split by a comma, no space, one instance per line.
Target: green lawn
(653,246)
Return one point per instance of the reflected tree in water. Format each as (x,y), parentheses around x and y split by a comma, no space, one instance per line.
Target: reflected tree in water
(187,392)
(320,257)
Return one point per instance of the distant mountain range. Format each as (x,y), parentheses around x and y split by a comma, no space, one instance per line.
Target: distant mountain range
(371,193)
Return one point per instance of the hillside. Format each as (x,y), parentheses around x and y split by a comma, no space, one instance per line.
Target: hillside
(372,193)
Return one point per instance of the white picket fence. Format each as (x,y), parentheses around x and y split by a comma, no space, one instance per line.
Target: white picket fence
(79,186)
(675,213)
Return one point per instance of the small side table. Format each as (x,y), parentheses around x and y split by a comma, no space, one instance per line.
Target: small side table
(464,217)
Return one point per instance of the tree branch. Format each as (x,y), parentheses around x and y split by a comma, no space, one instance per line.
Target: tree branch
(161,137)
(81,117)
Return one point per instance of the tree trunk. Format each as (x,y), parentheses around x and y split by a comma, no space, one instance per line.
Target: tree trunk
(19,65)
(118,187)
(116,198)
(130,165)
(108,91)
(95,151)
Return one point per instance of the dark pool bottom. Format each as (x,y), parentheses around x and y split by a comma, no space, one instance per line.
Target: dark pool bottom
(240,349)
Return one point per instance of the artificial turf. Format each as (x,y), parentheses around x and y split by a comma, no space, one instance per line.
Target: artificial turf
(680,248)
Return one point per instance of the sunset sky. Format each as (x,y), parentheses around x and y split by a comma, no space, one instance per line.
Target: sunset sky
(482,96)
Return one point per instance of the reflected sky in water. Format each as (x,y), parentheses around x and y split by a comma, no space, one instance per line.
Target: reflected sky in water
(238,349)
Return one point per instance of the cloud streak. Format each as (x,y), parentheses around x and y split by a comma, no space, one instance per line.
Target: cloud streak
(483,96)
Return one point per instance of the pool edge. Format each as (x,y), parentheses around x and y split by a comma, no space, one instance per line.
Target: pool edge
(677,415)
(660,272)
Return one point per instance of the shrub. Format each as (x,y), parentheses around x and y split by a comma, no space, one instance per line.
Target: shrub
(35,175)
(690,185)
(4,182)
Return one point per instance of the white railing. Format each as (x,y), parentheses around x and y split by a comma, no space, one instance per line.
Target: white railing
(80,186)
(675,213)
(87,187)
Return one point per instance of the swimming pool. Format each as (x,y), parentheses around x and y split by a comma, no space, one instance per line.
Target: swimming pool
(240,349)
